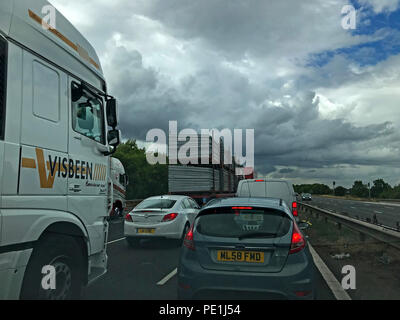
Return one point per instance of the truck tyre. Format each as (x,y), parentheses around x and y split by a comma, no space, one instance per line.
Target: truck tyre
(133,242)
(66,256)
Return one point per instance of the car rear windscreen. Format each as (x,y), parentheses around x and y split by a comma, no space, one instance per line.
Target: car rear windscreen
(228,222)
(156,203)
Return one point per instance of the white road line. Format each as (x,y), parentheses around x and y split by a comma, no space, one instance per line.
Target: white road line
(167,277)
(331,281)
(353,207)
(116,240)
(378,211)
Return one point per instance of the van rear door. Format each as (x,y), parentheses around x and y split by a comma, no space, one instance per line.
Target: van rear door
(252,189)
(279,190)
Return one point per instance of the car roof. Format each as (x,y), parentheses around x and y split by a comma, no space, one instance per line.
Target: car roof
(168,197)
(272,203)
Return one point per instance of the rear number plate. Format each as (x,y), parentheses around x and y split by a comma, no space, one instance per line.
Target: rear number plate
(147,231)
(240,256)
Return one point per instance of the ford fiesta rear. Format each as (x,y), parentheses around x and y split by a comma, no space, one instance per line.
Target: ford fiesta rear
(245,252)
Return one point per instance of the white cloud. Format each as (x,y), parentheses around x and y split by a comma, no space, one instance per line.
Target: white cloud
(380,6)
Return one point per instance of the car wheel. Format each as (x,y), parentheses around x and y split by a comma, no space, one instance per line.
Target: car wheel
(133,242)
(65,255)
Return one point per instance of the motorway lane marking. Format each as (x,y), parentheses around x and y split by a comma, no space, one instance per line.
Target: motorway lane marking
(167,277)
(330,279)
(385,204)
(378,211)
(116,240)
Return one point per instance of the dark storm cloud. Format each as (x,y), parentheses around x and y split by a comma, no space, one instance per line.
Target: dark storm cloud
(249,65)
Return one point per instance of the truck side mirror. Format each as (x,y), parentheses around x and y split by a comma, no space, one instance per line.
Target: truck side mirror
(112,112)
(114,137)
(77,92)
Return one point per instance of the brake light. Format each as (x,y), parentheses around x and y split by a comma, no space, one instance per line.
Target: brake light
(259,180)
(298,241)
(302,293)
(169,217)
(242,208)
(189,242)
(128,218)
(294,209)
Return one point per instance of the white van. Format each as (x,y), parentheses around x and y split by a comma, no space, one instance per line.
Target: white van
(54,155)
(262,188)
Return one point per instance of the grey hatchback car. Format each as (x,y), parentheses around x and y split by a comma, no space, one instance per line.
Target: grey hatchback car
(245,248)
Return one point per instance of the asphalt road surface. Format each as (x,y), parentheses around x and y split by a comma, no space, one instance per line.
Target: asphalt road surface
(135,274)
(387,214)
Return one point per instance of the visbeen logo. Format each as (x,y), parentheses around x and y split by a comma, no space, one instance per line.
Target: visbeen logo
(63,168)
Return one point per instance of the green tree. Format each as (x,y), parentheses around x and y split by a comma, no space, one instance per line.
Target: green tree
(340,191)
(379,188)
(316,188)
(145,180)
(359,190)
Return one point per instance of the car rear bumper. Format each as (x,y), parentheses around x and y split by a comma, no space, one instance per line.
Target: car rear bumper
(195,282)
(162,230)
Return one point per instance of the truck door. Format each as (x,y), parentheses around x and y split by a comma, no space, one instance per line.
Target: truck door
(44,134)
(87,166)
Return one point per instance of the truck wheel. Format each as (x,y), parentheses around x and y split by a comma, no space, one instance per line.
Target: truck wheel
(65,255)
(133,242)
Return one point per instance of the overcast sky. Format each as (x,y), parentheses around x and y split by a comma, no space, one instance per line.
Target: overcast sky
(324,101)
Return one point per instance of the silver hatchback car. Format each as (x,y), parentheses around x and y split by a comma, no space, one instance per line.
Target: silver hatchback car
(241,249)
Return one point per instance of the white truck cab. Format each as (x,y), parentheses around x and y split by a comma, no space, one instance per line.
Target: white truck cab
(120,181)
(54,155)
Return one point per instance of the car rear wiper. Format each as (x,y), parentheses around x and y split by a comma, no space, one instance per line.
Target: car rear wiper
(257,235)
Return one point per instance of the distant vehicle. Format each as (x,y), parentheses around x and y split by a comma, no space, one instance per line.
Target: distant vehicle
(306,197)
(160,217)
(120,182)
(280,189)
(246,249)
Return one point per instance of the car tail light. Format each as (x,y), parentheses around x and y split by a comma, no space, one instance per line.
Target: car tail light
(128,218)
(189,242)
(298,241)
(184,286)
(294,209)
(169,217)
(302,293)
